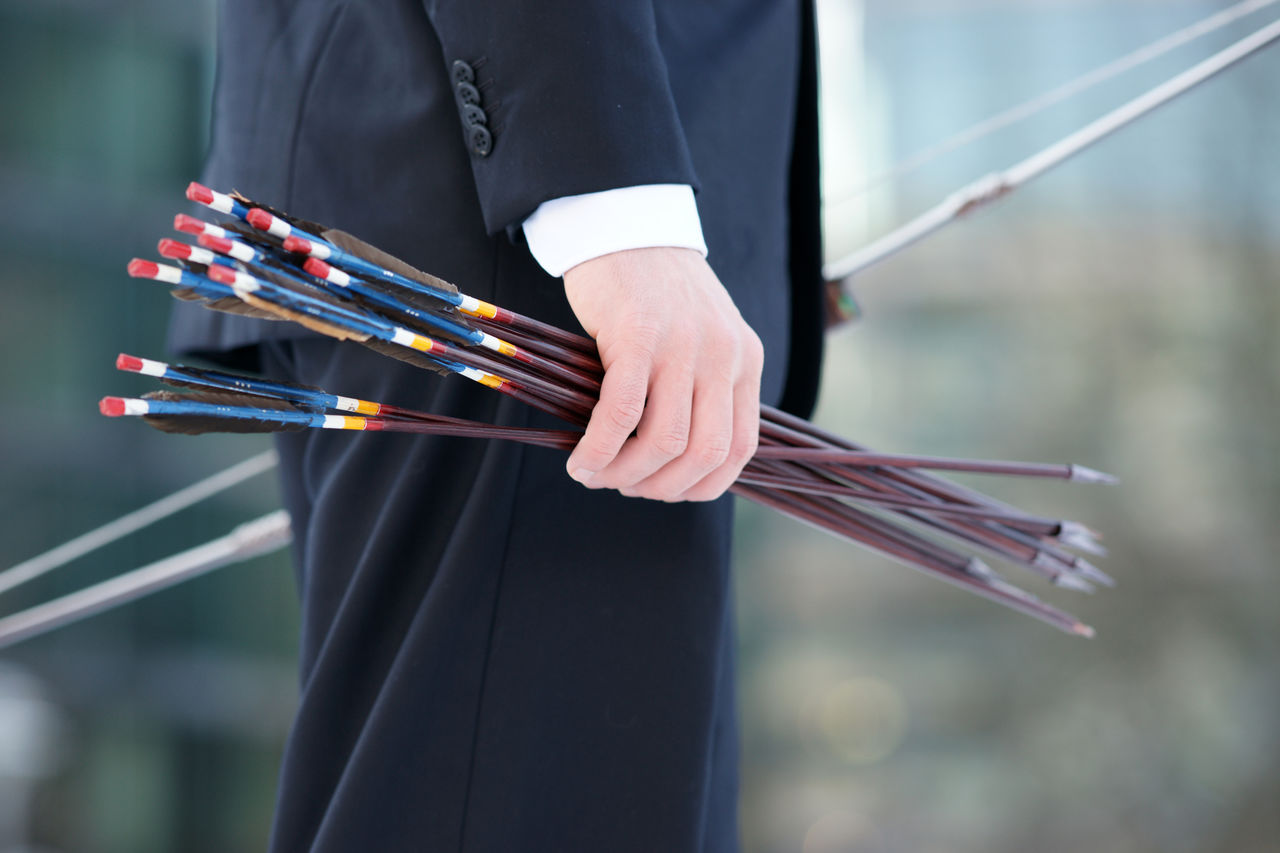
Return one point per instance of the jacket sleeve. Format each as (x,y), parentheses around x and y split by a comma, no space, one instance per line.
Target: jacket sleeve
(559,98)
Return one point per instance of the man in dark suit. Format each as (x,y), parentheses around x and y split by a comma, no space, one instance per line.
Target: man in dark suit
(493,657)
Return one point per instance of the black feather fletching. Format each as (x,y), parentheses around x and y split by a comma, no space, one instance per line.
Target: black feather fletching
(350,243)
(277,260)
(266,303)
(248,234)
(199,424)
(408,356)
(201,380)
(226,304)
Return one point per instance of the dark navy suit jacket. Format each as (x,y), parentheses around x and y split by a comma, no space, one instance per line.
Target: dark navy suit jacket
(494,659)
(348,113)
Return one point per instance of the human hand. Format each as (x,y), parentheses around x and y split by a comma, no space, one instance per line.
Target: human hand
(682,370)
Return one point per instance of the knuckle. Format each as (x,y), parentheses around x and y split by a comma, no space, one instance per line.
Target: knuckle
(714,452)
(724,344)
(722,367)
(744,448)
(626,383)
(642,337)
(624,414)
(592,458)
(671,442)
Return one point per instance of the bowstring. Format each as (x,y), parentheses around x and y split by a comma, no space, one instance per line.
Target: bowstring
(1042,102)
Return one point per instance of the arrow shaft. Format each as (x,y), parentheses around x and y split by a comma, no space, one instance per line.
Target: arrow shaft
(252,539)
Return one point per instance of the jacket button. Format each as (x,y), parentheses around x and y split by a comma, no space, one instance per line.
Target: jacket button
(462,72)
(481,140)
(468,93)
(472,114)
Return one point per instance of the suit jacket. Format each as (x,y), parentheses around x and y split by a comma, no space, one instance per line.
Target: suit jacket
(429,128)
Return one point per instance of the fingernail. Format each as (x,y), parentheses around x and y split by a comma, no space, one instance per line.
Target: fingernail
(582,475)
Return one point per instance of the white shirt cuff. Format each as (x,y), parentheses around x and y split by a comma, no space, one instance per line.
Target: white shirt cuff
(564,232)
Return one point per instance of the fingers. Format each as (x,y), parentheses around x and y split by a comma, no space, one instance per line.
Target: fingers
(742,446)
(706,450)
(697,431)
(678,413)
(622,402)
(663,434)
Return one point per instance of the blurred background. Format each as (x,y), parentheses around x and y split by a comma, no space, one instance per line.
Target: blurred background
(1122,312)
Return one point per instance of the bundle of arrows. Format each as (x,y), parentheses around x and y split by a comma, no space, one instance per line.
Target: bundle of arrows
(265,263)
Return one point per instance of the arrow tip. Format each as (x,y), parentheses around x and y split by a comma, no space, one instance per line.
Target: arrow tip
(1081,474)
(1067,580)
(1092,572)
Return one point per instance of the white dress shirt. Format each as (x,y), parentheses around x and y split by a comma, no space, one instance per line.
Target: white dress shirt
(564,232)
